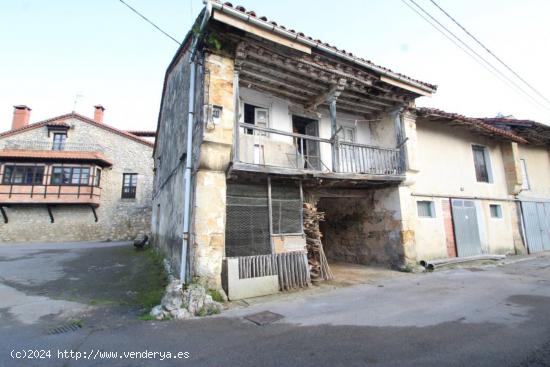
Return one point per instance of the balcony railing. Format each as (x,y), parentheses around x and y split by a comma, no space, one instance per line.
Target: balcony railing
(275,148)
(49,145)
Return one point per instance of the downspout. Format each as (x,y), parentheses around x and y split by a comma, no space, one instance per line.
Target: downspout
(189,145)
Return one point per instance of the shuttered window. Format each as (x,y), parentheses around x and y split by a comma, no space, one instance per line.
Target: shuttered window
(481,163)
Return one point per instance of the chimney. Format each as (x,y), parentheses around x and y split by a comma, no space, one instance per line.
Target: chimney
(21,116)
(98,113)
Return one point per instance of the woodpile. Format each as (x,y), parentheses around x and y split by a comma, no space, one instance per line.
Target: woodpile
(318,264)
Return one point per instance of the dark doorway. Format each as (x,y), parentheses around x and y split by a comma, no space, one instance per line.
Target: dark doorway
(308,149)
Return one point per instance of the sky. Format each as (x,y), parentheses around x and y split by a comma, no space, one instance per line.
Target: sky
(58,52)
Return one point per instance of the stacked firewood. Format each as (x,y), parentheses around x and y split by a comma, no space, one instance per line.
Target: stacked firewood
(318,264)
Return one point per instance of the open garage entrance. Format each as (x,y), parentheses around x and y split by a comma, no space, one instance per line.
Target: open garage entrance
(361,232)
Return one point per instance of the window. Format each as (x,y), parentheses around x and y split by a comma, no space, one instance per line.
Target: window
(256,116)
(97,178)
(524,178)
(481,163)
(425,209)
(346,134)
(496,211)
(129,184)
(70,176)
(59,141)
(23,175)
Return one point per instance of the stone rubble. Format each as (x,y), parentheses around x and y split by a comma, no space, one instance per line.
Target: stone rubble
(184,302)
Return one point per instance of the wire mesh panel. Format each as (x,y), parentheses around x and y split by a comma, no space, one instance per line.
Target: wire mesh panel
(247,226)
(286,206)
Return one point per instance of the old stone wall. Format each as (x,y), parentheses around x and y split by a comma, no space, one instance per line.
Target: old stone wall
(363,230)
(118,219)
(170,158)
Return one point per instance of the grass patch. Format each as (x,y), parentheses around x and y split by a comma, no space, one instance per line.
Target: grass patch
(146,317)
(216,295)
(153,279)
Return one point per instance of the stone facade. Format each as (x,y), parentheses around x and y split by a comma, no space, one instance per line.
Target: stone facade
(118,219)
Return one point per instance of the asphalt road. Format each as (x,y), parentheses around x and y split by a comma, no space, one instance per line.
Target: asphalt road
(483,316)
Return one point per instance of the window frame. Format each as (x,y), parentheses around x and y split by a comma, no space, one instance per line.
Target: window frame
(498,212)
(256,106)
(24,174)
(131,194)
(487,161)
(431,205)
(525,182)
(53,175)
(58,146)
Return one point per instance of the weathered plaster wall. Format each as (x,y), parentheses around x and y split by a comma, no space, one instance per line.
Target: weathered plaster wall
(446,162)
(537,160)
(119,219)
(446,168)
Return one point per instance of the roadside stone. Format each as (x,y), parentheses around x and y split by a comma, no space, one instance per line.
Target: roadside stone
(194,297)
(180,314)
(172,299)
(157,312)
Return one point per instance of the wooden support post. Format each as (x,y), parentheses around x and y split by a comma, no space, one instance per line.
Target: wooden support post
(236,132)
(270,214)
(334,135)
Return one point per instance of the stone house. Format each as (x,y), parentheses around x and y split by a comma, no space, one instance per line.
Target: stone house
(258,121)
(72,178)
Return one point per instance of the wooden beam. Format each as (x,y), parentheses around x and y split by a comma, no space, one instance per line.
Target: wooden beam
(247,27)
(273,90)
(331,94)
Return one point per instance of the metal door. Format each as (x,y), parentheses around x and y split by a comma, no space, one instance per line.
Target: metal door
(468,242)
(536,220)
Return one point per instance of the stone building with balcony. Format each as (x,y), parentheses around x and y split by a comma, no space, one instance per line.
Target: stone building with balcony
(73,178)
(259,126)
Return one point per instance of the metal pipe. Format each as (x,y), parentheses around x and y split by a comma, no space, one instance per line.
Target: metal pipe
(189,146)
(432,264)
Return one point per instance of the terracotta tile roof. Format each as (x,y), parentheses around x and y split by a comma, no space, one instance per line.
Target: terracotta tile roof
(535,132)
(142,133)
(316,43)
(472,123)
(55,155)
(60,120)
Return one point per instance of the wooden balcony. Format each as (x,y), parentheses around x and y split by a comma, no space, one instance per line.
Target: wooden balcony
(49,194)
(260,149)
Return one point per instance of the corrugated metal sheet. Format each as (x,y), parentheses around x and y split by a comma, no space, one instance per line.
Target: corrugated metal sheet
(468,242)
(536,220)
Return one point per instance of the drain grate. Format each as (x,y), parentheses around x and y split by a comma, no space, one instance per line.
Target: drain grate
(264,317)
(67,328)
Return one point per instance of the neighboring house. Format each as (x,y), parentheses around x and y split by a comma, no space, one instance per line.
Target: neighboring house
(466,186)
(257,119)
(72,178)
(534,165)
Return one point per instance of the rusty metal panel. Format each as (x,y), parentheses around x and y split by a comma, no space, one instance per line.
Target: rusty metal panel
(466,226)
